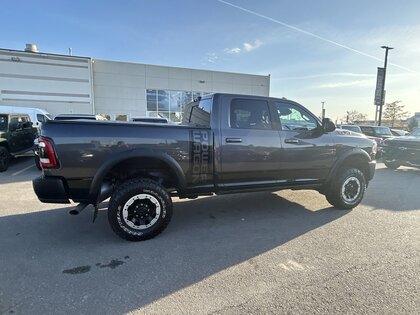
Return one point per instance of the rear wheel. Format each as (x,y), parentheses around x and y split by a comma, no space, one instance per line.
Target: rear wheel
(139,209)
(393,165)
(347,190)
(4,159)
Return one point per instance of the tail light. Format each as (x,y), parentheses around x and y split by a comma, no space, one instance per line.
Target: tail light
(47,156)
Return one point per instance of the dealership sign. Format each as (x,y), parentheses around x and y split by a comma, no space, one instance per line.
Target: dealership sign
(380,82)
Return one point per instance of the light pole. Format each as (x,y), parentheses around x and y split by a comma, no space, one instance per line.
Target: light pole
(383,86)
(323,110)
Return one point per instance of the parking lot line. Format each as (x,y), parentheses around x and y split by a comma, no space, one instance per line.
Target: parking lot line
(23,170)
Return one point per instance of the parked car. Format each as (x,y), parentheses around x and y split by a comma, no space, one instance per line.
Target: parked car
(399,132)
(16,137)
(357,129)
(404,150)
(377,131)
(36,115)
(227,144)
(354,128)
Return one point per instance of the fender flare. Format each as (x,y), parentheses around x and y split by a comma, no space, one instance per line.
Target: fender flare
(97,181)
(344,156)
(4,143)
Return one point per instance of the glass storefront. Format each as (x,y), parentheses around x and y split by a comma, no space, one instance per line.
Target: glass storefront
(169,103)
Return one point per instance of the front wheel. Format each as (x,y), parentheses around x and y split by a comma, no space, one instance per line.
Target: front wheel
(139,209)
(347,191)
(4,159)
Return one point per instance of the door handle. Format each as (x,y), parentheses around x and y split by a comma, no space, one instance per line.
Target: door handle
(233,140)
(292,141)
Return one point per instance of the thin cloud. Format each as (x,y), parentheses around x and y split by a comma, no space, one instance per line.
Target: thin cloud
(250,46)
(246,47)
(212,57)
(310,33)
(232,51)
(323,75)
(334,85)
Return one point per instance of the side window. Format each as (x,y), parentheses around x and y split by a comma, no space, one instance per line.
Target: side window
(294,118)
(201,113)
(41,118)
(249,114)
(368,131)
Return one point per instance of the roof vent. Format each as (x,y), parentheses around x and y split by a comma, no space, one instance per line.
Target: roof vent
(31,48)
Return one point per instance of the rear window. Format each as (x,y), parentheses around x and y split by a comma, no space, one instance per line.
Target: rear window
(383,131)
(201,113)
(352,128)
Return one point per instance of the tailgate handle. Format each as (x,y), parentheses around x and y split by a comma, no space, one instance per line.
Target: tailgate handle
(292,141)
(233,140)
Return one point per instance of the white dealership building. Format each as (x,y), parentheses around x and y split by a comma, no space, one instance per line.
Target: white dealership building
(118,90)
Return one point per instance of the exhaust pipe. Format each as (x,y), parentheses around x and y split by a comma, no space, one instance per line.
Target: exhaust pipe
(79,208)
(105,193)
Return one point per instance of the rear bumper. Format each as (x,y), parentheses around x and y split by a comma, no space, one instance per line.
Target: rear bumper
(372,168)
(50,190)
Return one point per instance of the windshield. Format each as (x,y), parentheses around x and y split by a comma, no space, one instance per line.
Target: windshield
(383,131)
(352,128)
(3,123)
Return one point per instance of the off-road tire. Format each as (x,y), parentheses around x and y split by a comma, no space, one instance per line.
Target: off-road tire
(392,165)
(4,159)
(120,199)
(335,195)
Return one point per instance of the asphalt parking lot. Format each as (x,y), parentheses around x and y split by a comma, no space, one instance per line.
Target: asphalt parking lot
(259,253)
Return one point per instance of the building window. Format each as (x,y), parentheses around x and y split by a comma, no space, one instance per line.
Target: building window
(169,104)
(121,117)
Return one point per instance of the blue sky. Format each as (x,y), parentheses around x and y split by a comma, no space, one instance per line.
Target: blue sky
(210,34)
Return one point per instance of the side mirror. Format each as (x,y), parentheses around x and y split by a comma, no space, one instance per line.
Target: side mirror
(328,125)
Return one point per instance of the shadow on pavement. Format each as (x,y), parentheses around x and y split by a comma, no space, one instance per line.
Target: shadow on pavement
(396,190)
(65,263)
(20,169)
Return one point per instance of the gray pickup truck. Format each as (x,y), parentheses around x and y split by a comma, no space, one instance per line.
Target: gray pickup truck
(226,144)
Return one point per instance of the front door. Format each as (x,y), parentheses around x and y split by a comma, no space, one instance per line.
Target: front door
(307,152)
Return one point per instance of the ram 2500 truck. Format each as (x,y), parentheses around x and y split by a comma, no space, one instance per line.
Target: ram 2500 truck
(226,144)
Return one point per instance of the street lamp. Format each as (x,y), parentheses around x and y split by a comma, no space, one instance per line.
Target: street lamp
(383,86)
(323,110)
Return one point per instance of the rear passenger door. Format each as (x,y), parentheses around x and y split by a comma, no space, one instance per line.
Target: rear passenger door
(15,134)
(27,132)
(250,144)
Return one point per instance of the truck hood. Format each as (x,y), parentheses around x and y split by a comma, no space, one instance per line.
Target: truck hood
(408,141)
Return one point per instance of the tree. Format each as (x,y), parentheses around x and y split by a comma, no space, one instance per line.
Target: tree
(354,116)
(395,112)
